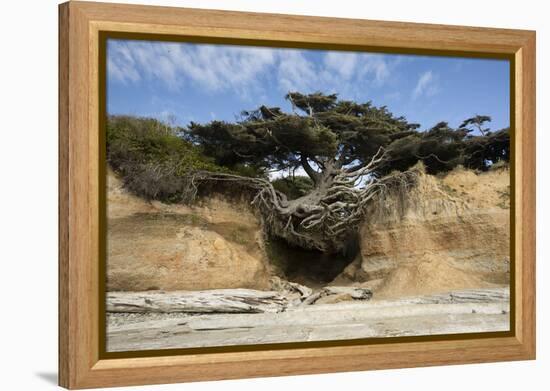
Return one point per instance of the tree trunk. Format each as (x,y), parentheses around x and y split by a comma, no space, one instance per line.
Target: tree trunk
(329,216)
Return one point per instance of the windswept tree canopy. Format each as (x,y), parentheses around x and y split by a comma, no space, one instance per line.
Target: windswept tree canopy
(442,148)
(322,129)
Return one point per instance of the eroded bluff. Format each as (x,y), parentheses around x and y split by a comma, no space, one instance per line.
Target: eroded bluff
(448,232)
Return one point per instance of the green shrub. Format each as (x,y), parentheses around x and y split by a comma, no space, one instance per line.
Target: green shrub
(152,158)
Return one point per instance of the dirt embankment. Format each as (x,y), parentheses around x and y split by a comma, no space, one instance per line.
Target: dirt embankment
(154,246)
(449,232)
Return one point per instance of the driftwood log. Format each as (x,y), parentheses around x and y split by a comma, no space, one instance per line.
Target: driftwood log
(211,301)
(226,301)
(456,312)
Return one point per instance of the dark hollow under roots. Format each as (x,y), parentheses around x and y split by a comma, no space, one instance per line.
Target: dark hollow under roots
(312,268)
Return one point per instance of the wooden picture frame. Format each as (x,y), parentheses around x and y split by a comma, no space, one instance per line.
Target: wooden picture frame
(81,364)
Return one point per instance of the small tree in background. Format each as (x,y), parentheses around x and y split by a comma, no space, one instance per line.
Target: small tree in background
(477,123)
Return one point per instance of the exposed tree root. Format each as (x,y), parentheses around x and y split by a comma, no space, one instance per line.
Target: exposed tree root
(329,215)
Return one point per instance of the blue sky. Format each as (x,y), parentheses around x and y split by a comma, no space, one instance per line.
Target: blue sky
(181,82)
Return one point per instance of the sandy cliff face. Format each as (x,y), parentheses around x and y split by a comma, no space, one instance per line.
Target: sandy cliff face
(450,232)
(173,247)
(447,233)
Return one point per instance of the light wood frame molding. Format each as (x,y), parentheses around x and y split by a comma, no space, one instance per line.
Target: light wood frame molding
(80,23)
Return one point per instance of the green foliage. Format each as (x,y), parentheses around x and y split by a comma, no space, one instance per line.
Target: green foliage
(312,103)
(476,122)
(293,187)
(442,148)
(152,158)
(156,159)
(149,140)
(323,128)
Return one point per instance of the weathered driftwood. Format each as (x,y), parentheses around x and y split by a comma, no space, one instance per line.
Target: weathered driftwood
(474,295)
(466,312)
(211,301)
(226,300)
(289,288)
(340,293)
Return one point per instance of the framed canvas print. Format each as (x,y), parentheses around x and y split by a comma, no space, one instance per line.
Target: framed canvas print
(251,195)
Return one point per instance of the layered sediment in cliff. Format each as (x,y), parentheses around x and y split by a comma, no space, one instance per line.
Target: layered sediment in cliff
(447,232)
(156,246)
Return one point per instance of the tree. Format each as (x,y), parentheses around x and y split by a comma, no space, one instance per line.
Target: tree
(442,148)
(477,122)
(331,158)
(338,144)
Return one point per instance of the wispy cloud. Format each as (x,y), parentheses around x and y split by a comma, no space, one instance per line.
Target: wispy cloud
(342,64)
(245,70)
(121,65)
(296,73)
(193,81)
(427,85)
(378,66)
(366,68)
(214,68)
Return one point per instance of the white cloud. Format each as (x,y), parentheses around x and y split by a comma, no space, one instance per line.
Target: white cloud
(366,67)
(296,73)
(376,65)
(349,74)
(214,68)
(427,85)
(121,66)
(344,64)
(247,71)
